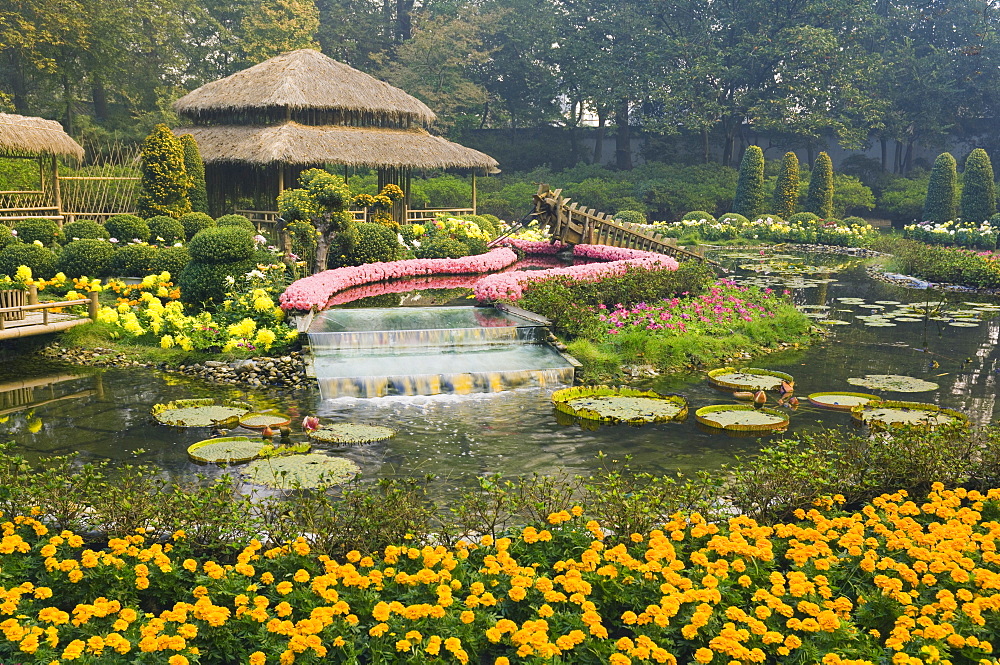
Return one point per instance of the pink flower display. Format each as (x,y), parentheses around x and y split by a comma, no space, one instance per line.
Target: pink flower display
(534,246)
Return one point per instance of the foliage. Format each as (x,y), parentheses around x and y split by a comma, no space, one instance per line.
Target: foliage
(221,244)
(373,243)
(133,260)
(850,195)
(236,220)
(819,199)
(84,229)
(972,236)
(304,237)
(802,218)
(278,27)
(167,230)
(194,222)
(169,259)
(945,265)
(902,199)
(941,203)
(443,191)
(630,216)
(979,197)
(749,199)
(204,284)
(127,228)
(41,260)
(734,219)
(698,216)
(164,187)
(786,189)
(442,248)
(322,200)
(89,257)
(7,237)
(46,231)
(195,169)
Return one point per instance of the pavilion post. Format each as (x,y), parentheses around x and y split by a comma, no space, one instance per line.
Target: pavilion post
(474,194)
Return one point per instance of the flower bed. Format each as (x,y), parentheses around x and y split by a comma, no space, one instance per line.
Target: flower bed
(897,581)
(773,229)
(971,236)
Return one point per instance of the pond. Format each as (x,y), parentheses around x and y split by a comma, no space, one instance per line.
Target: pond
(105,414)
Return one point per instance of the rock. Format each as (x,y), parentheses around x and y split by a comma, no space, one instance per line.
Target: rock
(213,363)
(242,366)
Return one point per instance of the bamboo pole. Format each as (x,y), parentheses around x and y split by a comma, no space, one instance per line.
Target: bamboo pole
(474,193)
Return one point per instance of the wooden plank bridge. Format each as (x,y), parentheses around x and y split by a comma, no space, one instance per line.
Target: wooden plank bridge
(574,224)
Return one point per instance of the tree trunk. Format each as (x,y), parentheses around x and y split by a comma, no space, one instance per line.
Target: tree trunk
(99,95)
(68,99)
(729,128)
(897,158)
(602,127)
(884,144)
(908,158)
(623,138)
(18,82)
(706,155)
(404,20)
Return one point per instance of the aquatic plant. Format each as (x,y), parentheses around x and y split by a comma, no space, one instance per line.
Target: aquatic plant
(205,412)
(351,433)
(895,414)
(262,420)
(840,401)
(894,382)
(619,404)
(300,471)
(741,417)
(225,450)
(749,378)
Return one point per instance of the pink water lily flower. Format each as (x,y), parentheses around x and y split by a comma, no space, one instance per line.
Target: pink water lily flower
(310,423)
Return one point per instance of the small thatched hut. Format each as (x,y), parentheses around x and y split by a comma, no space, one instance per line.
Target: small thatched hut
(43,140)
(258,128)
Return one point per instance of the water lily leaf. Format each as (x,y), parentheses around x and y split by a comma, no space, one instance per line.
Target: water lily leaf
(750,378)
(908,319)
(262,420)
(619,405)
(300,471)
(741,417)
(894,382)
(899,414)
(834,322)
(880,324)
(841,401)
(200,413)
(225,450)
(888,302)
(352,433)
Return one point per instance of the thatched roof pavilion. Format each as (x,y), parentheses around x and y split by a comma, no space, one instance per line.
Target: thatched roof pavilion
(25,136)
(258,128)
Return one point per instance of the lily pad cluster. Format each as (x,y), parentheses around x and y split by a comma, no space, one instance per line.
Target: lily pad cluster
(890,413)
(749,378)
(784,271)
(619,404)
(741,418)
(890,313)
(200,412)
(352,433)
(300,471)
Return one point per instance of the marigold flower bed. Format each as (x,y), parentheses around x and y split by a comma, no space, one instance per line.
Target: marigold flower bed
(898,581)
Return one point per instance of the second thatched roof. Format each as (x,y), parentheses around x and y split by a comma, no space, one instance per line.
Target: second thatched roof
(292,143)
(27,136)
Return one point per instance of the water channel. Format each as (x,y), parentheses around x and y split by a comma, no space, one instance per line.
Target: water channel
(105,414)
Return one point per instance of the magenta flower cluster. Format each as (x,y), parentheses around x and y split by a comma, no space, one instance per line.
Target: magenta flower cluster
(724,305)
(534,246)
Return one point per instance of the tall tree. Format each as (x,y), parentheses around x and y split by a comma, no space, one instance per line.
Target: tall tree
(979,195)
(941,202)
(749,199)
(278,26)
(819,196)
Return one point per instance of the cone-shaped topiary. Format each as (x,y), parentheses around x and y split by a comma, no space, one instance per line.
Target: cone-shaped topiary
(979,194)
(941,203)
(196,172)
(749,200)
(786,189)
(163,188)
(819,198)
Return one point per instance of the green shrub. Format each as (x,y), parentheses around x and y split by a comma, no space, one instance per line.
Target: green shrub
(786,188)
(819,198)
(734,219)
(749,199)
(195,168)
(854,220)
(305,237)
(163,188)
(221,244)
(446,191)
(84,229)
(171,259)
(941,203)
(6,236)
(44,230)
(165,229)
(487,223)
(802,218)
(698,216)
(979,195)
(850,195)
(204,284)
(372,243)
(89,257)
(127,228)
(767,218)
(133,260)
(194,222)
(442,248)
(41,260)
(630,217)
(236,220)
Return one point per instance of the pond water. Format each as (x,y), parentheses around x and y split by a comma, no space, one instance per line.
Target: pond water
(105,414)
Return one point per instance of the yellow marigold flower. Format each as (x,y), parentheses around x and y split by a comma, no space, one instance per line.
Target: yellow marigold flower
(467,616)
(378,630)
(177,659)
(403,645)
(284,588)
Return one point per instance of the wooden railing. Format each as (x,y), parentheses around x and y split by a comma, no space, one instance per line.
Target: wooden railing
(430,214)
(22,327)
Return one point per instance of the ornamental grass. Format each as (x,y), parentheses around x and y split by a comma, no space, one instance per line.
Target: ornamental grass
(896,580)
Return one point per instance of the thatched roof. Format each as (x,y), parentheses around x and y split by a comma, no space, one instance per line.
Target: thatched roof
(302,79)
(292,143)
(24,136)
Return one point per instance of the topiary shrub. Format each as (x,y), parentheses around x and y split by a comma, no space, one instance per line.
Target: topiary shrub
(733,219)
(802,218)
(221,244)
(236,220)
(486,223)
(195,168)
(768,219)
(204,284)
(630,217)
(786,188)
(194,222)
(84,229)
(749,199)
(170,259)
(127,228)
(89,257)
(305,237)
(41,260)
(372,243)
(699,216)
(442,248)
(941,202)
(163,187)
(819,197)
(979,194)
(132,260)
(165,229)
(850,221)
(7,237)
(44,230)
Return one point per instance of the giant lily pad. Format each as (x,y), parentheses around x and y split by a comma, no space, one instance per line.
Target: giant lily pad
(300,471)
(351,433)
(841,401)
(225,450)
(750,378)
(200,412)
(741,417)
(619,405)
(262,420)
(894,382)
(901,414)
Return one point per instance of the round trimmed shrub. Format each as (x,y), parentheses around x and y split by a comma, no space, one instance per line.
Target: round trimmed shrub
(371,243)
(236,220)
(127,228)
(442,248)
(854,220)
(89,257)
(194,222)
(768,219)
(484,223)
(44,230)
(221,244)
(204,284)
(6,236)
(734,219)
(85,229)
(132,260)
(165,229)
(802,218)
(476,246)
(699,215)
(41,260)
(171,259)
(630,217)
